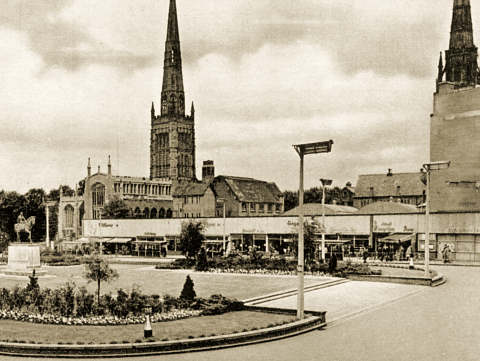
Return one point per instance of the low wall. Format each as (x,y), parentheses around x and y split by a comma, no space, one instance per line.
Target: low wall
(166,347)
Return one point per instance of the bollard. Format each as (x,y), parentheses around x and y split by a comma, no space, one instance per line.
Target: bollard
(147,330)
(411,265)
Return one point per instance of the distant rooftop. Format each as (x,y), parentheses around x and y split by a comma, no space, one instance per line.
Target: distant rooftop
(315,209)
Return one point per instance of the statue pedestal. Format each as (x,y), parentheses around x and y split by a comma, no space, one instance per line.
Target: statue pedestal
(23,259)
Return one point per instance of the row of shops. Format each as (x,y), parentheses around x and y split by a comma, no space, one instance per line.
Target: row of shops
(275,235)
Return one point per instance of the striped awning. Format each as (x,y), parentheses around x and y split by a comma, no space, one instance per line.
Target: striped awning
(397,238)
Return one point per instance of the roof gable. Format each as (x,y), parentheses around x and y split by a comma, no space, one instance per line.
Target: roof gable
(252,190)
(384,185)
(190,189)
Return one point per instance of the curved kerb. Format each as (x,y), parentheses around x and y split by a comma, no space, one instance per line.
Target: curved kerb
(313,321)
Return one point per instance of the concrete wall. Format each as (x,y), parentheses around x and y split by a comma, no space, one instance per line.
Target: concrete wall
(455,136)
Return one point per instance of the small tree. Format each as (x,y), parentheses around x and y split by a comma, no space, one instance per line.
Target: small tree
(309,235)
(191,238)
(116,209)
(98,270)
(188,293)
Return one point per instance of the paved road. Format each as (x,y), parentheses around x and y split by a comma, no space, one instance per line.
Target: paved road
(433,324)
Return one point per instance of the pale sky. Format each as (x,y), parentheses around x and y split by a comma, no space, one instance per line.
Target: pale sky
(78,78)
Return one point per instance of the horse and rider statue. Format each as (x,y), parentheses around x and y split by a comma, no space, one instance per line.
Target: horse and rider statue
(24,225)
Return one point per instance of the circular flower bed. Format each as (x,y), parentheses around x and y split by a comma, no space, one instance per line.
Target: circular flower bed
(96,320)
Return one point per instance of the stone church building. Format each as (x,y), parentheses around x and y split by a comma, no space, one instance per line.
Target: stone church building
(172,189)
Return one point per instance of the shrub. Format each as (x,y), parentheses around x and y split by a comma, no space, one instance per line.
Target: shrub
(179,263)
(188,293)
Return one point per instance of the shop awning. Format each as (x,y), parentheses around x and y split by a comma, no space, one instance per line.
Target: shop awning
(116,240)
(82,240)
(150,241)
(397,238)
(337,241)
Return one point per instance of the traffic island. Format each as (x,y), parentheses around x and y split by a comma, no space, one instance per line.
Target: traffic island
(313,320)
(401,274)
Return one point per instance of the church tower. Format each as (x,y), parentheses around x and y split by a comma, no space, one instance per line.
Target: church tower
(461,66)
(454,130)
(172,142)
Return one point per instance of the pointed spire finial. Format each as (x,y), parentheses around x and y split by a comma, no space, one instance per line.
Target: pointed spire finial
(461,66)
(172,30)
(89,168)
(173,97)
(440,69)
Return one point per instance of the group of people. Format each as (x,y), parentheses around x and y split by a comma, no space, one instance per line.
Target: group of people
(389,252)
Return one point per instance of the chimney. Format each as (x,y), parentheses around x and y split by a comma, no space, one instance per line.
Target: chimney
(389,174)
(109,166)
(208,171)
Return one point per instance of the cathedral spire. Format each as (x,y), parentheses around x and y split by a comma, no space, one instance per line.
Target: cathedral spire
(461,65)
(173,97)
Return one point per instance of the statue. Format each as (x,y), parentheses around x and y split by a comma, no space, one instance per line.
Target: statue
(24,225)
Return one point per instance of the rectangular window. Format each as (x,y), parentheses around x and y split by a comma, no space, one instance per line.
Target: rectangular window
(270,208)
(244,207)
(252,207)
(261,208)
(278,207)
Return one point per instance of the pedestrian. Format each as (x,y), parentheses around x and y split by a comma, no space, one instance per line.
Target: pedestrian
(332,263)
(365,255)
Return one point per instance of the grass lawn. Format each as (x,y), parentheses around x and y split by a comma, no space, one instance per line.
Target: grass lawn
(161,282)
(181,329)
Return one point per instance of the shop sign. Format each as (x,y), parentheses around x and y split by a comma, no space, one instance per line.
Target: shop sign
(105,225)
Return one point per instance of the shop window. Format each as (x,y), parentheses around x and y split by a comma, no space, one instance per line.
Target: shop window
(252,207)
(270,208)
(244,207)
(261,208)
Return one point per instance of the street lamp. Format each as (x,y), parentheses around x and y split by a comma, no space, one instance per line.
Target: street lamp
(428,167)
(223,200)
(302,150)
(325,183)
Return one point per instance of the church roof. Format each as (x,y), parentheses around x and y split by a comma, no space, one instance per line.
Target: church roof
(144,180)
(252,190)
(315,209)
(190,189)
(386,185)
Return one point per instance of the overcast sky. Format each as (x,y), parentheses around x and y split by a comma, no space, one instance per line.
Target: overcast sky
(78,78)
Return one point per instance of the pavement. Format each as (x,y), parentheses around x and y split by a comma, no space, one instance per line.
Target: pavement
(347,299)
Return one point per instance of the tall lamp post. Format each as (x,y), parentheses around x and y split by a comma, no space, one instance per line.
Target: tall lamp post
(223,201)
(302,150)
(325,183)
(428,167)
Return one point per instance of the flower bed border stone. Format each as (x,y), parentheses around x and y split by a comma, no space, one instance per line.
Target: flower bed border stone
(313,321)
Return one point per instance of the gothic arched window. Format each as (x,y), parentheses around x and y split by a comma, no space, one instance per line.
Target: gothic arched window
(68,216)
(98,199)
(153,213)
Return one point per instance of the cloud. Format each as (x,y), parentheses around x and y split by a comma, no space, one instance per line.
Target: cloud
(263,74)
(63,43)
